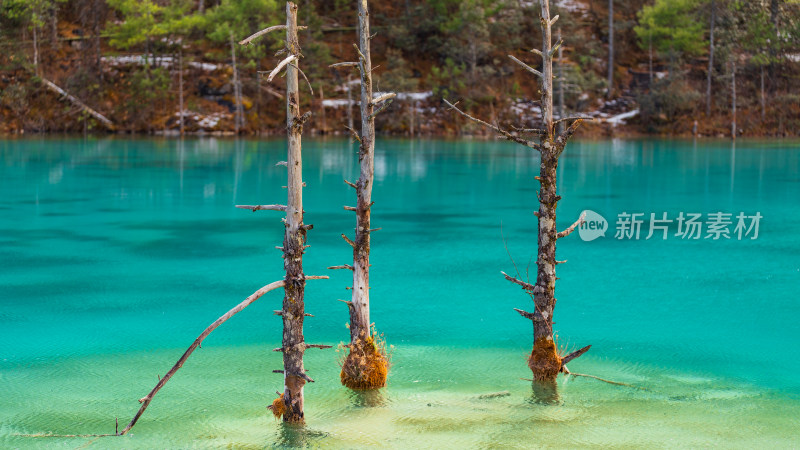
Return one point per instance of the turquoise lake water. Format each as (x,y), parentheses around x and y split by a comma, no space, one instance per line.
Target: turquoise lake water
(115,254)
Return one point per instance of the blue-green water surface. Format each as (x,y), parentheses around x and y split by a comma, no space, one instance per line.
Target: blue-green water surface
(116,253)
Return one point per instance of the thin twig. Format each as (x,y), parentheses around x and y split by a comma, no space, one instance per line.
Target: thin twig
(254,36)
(504,133)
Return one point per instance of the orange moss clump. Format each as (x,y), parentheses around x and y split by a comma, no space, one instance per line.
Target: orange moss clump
(544,361)
(278,407)
(366,366)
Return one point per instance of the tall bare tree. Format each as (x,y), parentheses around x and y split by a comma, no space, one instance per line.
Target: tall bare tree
(366,365)
(544,362)
(710,56)
(290,402)
(733,100)
(610,47)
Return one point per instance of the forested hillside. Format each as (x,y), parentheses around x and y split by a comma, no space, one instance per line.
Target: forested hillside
(668,67)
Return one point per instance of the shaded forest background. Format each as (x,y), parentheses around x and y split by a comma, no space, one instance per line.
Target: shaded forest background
(141,62)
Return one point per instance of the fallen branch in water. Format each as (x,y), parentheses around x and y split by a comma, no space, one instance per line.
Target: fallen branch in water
(145,401)
(617,383)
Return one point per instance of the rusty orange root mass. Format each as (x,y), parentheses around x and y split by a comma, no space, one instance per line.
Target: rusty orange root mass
(544,361)
(278,407)
(366,366)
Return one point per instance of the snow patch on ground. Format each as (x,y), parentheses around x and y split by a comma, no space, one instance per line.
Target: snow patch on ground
(204,122)
(401,96)
(572,6)
(162,61)
(621,118)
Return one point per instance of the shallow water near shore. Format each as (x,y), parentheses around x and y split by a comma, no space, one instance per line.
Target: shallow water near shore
(116,253)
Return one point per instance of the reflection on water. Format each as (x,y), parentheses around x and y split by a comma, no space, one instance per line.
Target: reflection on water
(116,253)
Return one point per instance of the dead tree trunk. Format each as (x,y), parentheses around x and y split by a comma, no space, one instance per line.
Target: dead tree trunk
(610,47)
(293,312)
(544,362)
(710,57)
(290,403)
(366,366)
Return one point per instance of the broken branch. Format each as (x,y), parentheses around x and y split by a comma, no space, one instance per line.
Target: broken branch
(527,286)
(505,133)
(263,207)
(574,355)
(281,65)
(254,36)
(145,401)
(352,244)
(572,227)
(526,67)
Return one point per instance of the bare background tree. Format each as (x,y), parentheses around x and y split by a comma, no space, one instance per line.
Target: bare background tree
(710,56)
(610,47)
(366,366)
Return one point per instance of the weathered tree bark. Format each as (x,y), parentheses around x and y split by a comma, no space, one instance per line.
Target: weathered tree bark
(710,57)
(365,367)
(544,362)
(610,47)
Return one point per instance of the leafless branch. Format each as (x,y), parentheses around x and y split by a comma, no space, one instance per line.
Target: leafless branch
(526,67)
(383,98)
(572,227)
(281,65)
(304,77)
(263,207)
(504,133)
(574,355)
(344,64)
(257,35)
(527,286)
